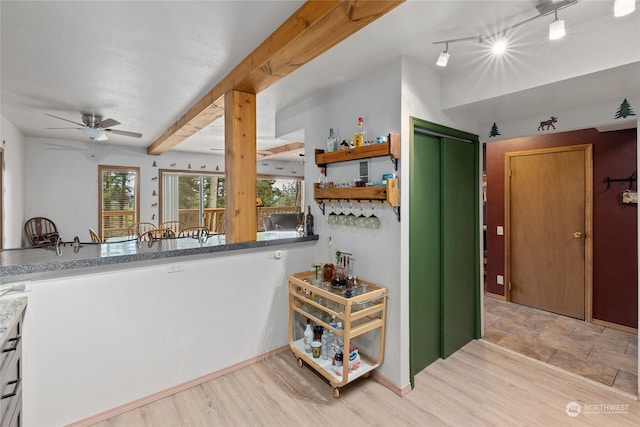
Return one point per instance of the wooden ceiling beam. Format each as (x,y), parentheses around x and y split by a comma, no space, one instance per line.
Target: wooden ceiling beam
(312,30)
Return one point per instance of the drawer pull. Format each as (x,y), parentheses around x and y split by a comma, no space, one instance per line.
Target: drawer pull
(16,341)
(16,384)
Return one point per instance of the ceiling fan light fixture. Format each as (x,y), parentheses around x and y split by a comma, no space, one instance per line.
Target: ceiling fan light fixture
(556,28)
(94,134)
(623,7)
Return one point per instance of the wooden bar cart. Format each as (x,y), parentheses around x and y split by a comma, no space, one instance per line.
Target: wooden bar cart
(364,312)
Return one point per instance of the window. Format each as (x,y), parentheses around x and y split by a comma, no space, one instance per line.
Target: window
(119,200)
(198,199)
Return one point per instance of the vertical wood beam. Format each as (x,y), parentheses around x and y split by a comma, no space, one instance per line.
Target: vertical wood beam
(240,166)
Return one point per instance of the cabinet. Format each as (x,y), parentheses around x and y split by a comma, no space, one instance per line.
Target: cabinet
(388,193)
(11,363)
(363,317)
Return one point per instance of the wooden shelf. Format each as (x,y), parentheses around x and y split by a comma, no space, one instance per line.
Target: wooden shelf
(390,148)
(374,194)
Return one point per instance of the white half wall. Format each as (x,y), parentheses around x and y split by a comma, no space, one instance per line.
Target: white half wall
(97,341)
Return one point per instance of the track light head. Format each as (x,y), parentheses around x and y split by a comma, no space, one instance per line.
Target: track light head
(443,59)
(623,7)
(556,28)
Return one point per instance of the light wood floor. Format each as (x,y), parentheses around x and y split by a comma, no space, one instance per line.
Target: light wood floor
(602,354)
(481,384)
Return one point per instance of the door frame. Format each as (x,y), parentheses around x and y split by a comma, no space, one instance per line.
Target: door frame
(588,218)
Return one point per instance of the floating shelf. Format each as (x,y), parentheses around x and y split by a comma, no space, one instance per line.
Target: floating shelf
(390,148)
(374,194)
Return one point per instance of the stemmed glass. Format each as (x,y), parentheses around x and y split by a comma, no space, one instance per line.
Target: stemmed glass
(361,221)
(342,218)
(351,218)
(332,218)
(373,222)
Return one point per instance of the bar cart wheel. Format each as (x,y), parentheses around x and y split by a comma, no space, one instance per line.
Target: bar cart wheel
(336,392)
(300,363)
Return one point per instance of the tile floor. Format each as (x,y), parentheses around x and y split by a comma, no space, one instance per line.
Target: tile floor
(602,354)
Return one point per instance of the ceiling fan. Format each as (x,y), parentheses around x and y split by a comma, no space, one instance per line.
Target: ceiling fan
(96,129)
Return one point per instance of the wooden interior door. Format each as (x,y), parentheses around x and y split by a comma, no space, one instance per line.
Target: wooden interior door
(549,229)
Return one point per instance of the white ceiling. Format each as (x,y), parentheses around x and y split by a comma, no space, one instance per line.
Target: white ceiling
(144,63)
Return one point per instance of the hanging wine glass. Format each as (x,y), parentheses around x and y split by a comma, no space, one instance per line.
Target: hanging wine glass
(342,217)
(361,221)
(351,218)
(332,218)
(373,222)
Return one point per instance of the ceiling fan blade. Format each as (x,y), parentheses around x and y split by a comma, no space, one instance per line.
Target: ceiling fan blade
(108,123)
(66,120)
(124,133)
(66,128)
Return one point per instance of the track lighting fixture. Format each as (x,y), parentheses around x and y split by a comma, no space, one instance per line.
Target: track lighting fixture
(623,7)
(443,59)
(556,28)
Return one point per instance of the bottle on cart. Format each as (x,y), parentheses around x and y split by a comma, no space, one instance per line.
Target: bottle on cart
(332,141)
(308,337)
(325,344)
(308,222)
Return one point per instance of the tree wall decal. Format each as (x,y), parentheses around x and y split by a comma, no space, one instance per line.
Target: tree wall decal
(625,110)
(494,131)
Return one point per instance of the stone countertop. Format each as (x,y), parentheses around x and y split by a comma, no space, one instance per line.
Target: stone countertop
(10,309)
(18,264)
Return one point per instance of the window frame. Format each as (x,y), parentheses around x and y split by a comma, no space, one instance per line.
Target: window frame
(113,168)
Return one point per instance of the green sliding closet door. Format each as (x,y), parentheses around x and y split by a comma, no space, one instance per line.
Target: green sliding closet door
(443,247)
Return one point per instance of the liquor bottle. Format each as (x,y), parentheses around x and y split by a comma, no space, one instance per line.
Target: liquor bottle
(358,138)
(332,142)
(308,337)
(308,222)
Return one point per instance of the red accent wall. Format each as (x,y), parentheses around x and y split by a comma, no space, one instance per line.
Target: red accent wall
(615,236)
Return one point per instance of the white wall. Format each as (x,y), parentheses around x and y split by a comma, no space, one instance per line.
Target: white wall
(376,97)
(62,182)
(94,342)
(13,143)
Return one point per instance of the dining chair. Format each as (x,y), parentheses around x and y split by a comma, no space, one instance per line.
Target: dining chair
(194,232)
(141,227)
(41,230)
(95,238)
(157,233)
(174,226)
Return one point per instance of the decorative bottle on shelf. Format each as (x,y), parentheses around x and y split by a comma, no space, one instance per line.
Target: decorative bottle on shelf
(308,337)
(332,142)
(358,138)
(308,222)
(325,344)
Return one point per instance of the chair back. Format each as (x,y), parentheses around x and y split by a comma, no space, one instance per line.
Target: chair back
(174,226)
(95,238)
(40,230)
(141,227)
(194,232)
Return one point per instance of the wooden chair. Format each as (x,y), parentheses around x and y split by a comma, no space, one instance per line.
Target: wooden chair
(174,226)
(40,230)
(157,233)
(193,232)
(141,227)
(94,236)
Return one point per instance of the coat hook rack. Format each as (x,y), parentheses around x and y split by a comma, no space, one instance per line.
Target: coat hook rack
(631,179)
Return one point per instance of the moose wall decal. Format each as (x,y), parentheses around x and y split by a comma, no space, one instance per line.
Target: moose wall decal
(548,123)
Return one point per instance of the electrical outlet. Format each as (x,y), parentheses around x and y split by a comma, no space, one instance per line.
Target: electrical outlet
(500,230)
(175,268)
(500,280)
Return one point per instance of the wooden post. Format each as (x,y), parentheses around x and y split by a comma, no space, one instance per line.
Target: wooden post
(240,166)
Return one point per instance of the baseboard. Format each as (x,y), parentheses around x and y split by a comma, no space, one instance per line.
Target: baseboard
(614,326)
(102,416)
(495,296)
(384,381)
